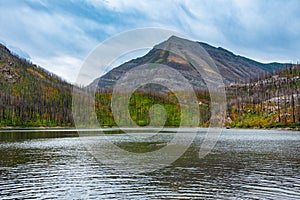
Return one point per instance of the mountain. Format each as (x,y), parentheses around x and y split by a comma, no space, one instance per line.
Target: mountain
(30,95)
(33,97)
(233,68)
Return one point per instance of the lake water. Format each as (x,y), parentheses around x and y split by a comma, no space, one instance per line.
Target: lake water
(244,164)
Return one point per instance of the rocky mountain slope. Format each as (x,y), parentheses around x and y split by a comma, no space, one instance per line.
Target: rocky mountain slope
(233,68)
(30,95)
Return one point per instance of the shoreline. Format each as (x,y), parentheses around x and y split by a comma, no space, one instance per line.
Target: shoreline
(113,127)
(35,127)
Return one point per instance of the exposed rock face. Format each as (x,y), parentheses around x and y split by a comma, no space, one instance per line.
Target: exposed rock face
(8,74)
(233,68)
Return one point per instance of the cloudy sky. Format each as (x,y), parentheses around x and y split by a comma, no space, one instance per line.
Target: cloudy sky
(59,34)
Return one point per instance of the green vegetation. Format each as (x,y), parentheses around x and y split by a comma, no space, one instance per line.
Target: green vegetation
(32,97)
(140,105)
(272,102)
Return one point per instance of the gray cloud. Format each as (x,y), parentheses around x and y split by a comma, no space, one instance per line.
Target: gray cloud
(58,35)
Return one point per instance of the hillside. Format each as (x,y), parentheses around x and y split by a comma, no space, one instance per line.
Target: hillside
(233,68)
(273,101)
(33,97)
(30,95)
(258,95)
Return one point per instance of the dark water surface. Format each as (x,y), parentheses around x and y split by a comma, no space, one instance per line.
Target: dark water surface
(245,164)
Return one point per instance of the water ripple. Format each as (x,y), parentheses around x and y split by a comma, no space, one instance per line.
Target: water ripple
(240,167)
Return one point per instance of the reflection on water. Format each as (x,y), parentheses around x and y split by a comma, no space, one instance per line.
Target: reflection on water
(244,164)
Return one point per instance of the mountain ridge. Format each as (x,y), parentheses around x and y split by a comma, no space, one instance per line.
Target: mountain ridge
(233,68)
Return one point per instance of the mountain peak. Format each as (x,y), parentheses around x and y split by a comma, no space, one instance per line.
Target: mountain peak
(173,40)
(233,68)
(177,40)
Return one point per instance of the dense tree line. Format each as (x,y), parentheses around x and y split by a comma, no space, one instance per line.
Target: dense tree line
(141,102)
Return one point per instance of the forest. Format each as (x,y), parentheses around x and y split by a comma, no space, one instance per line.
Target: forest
(33,97)
(265,101)
(272,101)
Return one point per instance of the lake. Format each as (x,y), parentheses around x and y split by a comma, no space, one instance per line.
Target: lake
(244,164)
